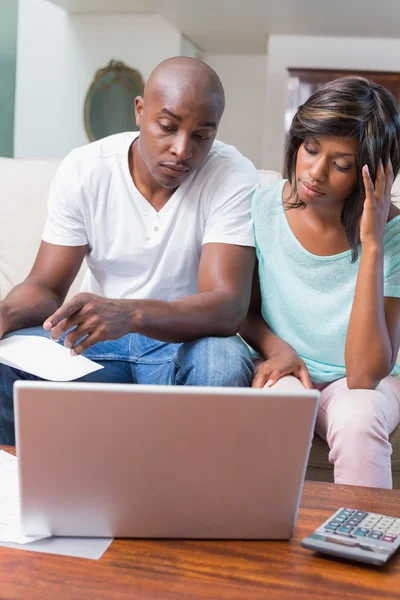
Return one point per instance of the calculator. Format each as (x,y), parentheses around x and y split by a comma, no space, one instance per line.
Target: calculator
(357,535)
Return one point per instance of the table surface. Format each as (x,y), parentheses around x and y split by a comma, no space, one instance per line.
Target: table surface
(234,570)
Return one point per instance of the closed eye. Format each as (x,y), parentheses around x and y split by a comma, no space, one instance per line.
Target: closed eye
(202,137)
(310,151)
(166,128)
(342,169)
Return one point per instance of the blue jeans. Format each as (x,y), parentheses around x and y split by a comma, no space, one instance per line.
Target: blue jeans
(133,358)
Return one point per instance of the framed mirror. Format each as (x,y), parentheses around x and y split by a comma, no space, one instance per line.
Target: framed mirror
(109,103)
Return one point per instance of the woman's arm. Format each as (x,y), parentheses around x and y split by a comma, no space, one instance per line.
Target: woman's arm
(373,334)
(280,357)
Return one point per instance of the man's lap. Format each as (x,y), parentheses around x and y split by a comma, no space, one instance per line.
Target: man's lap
(136,348)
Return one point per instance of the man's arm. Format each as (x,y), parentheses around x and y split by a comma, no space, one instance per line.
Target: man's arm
(218,309)
(45,288)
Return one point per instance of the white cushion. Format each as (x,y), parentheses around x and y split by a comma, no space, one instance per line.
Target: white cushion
(268,177)
(396,191)
(23,208)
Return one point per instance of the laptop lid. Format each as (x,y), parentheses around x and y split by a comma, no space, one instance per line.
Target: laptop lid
(161,461)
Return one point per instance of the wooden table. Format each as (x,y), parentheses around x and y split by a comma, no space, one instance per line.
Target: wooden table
(186,570)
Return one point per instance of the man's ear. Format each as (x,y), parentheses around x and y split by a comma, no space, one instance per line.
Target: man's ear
(139,102)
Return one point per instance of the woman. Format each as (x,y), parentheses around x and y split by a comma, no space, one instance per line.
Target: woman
(328,247)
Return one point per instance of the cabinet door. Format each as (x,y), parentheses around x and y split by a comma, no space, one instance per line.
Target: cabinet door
(304,82)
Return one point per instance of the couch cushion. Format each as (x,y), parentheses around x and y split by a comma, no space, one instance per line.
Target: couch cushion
(23,208)
(25,185)
(268,177)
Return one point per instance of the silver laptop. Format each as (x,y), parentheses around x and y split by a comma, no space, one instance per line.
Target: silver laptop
(161,461)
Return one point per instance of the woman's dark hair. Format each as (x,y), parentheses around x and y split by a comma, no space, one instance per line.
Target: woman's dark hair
(354,107)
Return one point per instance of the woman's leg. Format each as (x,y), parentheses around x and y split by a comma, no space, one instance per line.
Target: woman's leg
(356,424)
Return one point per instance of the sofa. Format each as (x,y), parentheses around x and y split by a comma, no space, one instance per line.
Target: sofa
(24,185)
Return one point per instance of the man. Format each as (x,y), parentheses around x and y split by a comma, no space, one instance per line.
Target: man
(163,220)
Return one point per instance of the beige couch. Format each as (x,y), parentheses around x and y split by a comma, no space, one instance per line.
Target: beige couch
(24,187)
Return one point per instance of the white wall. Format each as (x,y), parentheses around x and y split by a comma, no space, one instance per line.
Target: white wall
(190,49)
(313,52)
(57,57)
(243,78)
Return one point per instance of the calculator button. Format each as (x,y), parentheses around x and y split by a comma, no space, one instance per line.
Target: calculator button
(380,527)
(344,530)
(346,512)
(361,514)
(371,520)
(374,516)
(387,522)
(369,524)
(361,531)
(375,535)
(330,527)
(336,521)
(353,522)
(394,529)
(388,538)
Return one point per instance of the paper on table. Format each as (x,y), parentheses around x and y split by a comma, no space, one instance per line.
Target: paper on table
(10,533)
(9,503)
(44,358)
(7,461)
(93,548)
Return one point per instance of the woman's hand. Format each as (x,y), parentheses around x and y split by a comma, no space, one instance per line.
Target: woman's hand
(376,205)
(284,362)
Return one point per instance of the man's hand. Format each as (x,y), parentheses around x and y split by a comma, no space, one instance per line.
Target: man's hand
(285,362)
(92,316)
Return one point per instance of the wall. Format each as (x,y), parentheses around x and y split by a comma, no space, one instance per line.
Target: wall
(243,78)
(313,52)
(190,49)
(8,46)
(58,55)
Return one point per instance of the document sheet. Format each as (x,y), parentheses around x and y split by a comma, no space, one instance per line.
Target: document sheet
(44,358)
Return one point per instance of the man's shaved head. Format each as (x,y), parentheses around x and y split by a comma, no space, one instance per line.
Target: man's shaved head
(178,118)
(186,77)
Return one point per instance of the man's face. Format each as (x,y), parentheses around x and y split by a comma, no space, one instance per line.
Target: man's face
(177,130)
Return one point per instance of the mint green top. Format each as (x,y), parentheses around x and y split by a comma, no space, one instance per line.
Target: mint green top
(307,299)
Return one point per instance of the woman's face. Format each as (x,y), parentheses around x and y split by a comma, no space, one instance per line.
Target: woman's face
(326,169)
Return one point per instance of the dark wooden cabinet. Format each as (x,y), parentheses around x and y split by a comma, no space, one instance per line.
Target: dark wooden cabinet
(304,82)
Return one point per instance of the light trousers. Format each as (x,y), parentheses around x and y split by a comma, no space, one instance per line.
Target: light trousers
(356,425)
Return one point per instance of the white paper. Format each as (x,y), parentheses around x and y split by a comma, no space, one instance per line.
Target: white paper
(10,530)
(10,533)
(7,461)
(44,358)
(93,548)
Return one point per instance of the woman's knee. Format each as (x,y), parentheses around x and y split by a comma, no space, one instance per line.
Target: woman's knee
(357,413)
(288,383)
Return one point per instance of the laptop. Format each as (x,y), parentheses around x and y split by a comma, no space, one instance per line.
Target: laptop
(151,461)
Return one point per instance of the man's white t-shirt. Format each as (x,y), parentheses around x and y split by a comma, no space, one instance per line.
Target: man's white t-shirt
(133,250)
